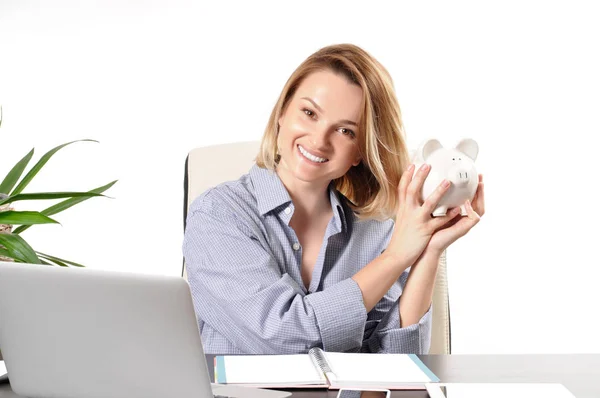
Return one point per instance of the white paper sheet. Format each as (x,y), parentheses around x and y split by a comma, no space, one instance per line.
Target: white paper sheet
(376,369)
(2,370)
(498,390)
(274,370)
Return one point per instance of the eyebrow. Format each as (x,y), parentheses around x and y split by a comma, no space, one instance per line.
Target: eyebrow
(321,110)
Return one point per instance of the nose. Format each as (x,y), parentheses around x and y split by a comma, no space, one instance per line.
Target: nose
(319,139)
(460,177)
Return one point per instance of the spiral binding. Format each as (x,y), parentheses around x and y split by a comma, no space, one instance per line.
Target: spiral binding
(319,358)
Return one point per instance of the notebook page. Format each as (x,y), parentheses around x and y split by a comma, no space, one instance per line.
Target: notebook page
(376,369)
(271,369)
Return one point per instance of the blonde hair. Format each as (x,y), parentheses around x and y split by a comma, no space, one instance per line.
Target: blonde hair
(372,185)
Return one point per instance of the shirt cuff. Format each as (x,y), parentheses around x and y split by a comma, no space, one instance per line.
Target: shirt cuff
(341,316)
(389,337)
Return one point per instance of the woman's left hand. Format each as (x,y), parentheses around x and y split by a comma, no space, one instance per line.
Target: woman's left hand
(460,225)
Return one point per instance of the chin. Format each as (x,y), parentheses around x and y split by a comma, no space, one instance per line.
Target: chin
(308,177)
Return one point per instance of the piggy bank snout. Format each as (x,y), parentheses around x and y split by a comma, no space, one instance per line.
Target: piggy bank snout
(460,176)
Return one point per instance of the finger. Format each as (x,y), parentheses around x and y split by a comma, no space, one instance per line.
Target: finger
(479,200)
(449,218)
(464,224)
(413,192)
(452,222)
(405,179)
(470,220)
(434,198)
(475,197)
(471,213)
(476,193)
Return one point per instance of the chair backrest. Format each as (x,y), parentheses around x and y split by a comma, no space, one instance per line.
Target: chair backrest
(205,168)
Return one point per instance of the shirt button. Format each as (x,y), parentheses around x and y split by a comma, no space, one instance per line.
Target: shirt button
(288,210)
(296,246)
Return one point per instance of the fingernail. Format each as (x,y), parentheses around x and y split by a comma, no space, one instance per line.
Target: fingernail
(411,167)
(445,183)
(424,166)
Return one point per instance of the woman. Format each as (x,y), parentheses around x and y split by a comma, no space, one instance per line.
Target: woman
(303,251)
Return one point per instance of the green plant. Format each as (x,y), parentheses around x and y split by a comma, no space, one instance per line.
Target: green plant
(12,245)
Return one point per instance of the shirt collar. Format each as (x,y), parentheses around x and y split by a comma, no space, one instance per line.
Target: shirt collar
(272,194)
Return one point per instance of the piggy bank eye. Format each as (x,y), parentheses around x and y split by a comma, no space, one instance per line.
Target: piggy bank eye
(453,159)
(459,158)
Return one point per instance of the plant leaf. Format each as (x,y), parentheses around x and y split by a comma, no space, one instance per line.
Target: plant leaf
(25,218)
(18,249)
(13,176)
(5,253)
(47,195)
(59,260)
(38,166)
(65,204)
(46,259)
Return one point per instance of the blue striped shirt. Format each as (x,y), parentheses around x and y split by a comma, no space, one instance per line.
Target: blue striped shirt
(243,263)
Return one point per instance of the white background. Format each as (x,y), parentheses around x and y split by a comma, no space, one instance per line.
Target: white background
(153,79)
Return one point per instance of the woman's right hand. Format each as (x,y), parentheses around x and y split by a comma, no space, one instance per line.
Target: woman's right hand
(414,224)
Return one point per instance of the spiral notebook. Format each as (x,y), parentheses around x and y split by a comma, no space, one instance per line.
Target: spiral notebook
(320,369)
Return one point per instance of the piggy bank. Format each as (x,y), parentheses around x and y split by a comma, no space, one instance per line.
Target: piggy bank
(457,165)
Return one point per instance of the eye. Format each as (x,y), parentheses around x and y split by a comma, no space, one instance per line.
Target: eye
(308,112)
(453,159)
(347,132)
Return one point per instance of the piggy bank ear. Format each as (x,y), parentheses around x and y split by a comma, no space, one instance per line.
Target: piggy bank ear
(427,148)
(469,147)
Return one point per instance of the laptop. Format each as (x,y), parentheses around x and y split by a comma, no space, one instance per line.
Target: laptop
(79,332)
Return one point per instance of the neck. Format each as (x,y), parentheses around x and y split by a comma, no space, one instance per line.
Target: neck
(311,199)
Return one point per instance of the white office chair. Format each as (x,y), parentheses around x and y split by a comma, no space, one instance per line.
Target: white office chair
(204,168)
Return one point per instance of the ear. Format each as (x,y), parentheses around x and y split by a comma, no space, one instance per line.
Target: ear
(469,147)
(357,159)
(427,148)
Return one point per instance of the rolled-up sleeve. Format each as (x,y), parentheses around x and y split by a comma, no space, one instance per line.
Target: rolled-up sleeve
(240,291)
(383,332)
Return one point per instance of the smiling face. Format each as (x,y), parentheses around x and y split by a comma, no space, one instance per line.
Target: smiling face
(318,131)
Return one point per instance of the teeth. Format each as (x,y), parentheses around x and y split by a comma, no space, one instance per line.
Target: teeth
(311,157)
